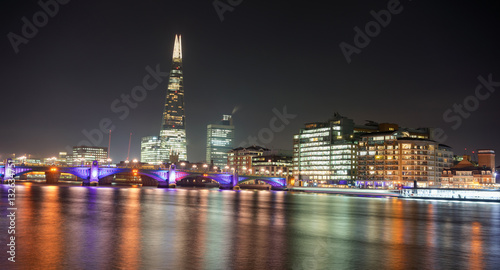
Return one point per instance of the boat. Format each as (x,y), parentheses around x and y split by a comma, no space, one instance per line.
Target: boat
(489,195)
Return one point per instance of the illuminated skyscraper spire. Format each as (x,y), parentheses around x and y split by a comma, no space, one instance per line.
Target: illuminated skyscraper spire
(177,49)
(173,132)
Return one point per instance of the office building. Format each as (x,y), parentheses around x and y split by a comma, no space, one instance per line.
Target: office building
(151,151)
(324,153)
(220,140)
(84,155)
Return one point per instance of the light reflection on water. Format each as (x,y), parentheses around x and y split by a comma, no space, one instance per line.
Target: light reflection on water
(60,227)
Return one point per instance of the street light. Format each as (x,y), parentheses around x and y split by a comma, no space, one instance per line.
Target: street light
(109,161)
(194,166)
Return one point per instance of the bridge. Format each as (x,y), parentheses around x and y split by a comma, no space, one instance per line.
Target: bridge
(96,174)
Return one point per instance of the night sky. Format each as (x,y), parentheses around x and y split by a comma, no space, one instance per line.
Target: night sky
(263,55)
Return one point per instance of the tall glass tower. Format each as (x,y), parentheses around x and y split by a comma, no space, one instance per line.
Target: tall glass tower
(173,131)
(220,141)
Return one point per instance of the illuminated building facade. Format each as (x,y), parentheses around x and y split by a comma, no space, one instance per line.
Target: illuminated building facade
(465,174)
(339,152)
(240,159)
(273,163)
(173,131)
(392,159)
(324,153)
(220,139)
(151,151)
(86,154)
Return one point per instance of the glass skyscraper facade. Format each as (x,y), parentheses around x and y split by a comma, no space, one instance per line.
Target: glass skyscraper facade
(220,141)
(173,131)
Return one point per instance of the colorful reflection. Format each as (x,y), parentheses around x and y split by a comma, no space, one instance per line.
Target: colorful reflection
(130,228)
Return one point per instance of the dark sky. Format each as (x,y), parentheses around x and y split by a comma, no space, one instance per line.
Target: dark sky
(263,55)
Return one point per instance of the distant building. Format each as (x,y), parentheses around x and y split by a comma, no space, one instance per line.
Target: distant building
(465,174)
(273,163)
(86,154)
(486,159)
(240,159)
(392,159)
(220,140)
(151,151)
(27,160)
(63,158)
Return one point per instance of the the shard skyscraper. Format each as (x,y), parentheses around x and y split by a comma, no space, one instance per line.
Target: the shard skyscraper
(173,130)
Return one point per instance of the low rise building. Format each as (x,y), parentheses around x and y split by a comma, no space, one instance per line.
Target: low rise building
(240,159)
(272,163)
(466,174)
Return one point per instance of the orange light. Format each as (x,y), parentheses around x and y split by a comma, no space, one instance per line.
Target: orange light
(53,169)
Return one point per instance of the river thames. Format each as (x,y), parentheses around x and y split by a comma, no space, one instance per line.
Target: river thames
(73,227)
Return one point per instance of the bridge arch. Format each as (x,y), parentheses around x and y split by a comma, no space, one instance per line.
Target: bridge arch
(24,171)
(153,177)
(222,179)
(273,181)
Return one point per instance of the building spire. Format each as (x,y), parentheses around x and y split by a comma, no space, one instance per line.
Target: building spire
(177,48)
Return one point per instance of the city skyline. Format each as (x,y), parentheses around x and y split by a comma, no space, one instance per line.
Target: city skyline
(237,134)
(382,83)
